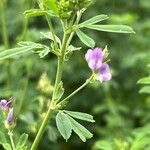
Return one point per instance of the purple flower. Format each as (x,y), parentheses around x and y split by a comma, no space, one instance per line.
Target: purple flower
(94,58)
(5,105)
(104,73)
(10,117)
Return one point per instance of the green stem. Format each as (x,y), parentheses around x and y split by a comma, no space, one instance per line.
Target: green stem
(65,43)
(42,129)
(4,26)
(52,106)
(10,133)
(66,100)
(60,64)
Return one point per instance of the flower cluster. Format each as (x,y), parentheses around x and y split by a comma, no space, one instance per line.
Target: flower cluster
(5,105)
(65,8)
(68,7)
(95,59)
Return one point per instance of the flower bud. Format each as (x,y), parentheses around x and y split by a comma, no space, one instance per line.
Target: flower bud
(9,122)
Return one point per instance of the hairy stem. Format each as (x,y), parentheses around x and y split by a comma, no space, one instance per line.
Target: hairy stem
(10,133)
(67,37)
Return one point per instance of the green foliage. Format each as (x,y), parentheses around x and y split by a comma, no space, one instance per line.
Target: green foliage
(117,107)
(35,12)
(48,35)
(51,4)
(93,20)
(137,141)
(81,116)
(11,53)
(146,88)
(111,28)
(145,80)
(85,39)
(7,146)
(22,141)
(25,48)
(65,124)
(2,138)
(80,130)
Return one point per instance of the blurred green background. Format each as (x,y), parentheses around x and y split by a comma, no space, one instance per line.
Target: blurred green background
(122,114)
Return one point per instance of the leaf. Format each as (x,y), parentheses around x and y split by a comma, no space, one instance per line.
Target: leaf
(93,20)
(71,48)
(52,5)
(2,138)
(145,89)
(35,12)
(25,47)
(140,143)
(44,52)
(48,35)
(63,125)
(111,28)
(81,116)
(7,146)
(85,39)
(22,140)
(22,148)
(145,80)
(80,130)
(103,145)
(11,53)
